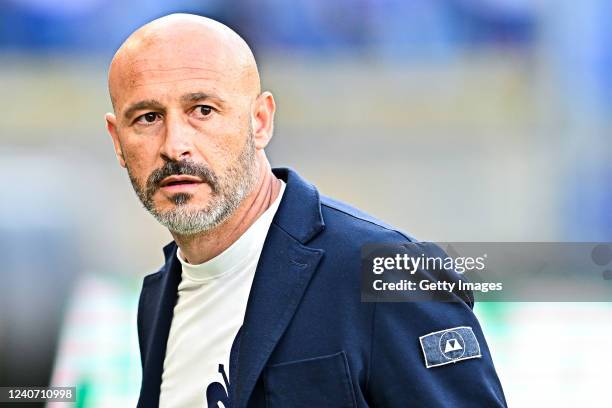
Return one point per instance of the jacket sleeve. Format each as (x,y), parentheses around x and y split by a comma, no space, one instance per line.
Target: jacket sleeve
(398,376)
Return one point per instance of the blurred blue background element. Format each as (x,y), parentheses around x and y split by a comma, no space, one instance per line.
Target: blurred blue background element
(488,119)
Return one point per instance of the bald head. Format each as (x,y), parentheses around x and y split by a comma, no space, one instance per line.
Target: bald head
(187,103)
(180,44)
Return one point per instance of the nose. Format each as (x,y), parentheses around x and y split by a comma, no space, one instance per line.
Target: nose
(177,144)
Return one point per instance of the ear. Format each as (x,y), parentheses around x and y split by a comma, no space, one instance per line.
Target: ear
(111,127)
(263,119)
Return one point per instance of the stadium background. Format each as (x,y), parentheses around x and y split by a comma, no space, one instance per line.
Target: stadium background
(456,120)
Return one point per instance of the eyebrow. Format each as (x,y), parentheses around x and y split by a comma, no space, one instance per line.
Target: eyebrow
(141,105)
(201,96)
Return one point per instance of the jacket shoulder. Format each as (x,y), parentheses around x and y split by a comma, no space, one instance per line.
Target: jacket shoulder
(338,215)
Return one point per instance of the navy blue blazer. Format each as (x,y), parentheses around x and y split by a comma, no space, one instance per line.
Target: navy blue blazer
(307,339)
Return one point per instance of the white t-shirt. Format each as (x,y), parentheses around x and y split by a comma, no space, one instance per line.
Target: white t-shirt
(210,309)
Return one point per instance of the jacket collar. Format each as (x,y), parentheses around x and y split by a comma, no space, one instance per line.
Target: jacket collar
(285,267)
(299,213)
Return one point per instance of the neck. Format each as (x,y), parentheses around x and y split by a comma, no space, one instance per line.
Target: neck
(199,248)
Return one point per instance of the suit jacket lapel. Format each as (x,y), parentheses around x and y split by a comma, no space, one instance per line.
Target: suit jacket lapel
(157,306)
(284,270)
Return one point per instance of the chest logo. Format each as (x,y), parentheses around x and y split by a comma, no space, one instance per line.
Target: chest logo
(217,395)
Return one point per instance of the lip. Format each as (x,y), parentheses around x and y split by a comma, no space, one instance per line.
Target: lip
(182,182)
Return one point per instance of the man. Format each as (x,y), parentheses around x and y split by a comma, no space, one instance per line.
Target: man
(258,303)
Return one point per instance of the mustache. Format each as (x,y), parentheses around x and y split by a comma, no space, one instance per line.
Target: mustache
(180,168)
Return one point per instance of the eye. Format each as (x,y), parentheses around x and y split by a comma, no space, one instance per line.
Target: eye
(148,118)
(203,110)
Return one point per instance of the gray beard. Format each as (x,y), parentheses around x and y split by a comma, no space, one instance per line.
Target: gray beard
(227,194)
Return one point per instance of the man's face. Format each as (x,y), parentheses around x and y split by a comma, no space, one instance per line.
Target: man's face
(184,129)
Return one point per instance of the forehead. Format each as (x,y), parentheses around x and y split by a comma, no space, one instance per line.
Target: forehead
(169,75)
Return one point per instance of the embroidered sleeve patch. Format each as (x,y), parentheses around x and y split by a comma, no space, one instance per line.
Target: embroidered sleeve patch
(449,346)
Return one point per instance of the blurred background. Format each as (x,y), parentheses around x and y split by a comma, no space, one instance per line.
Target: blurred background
(456,120)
